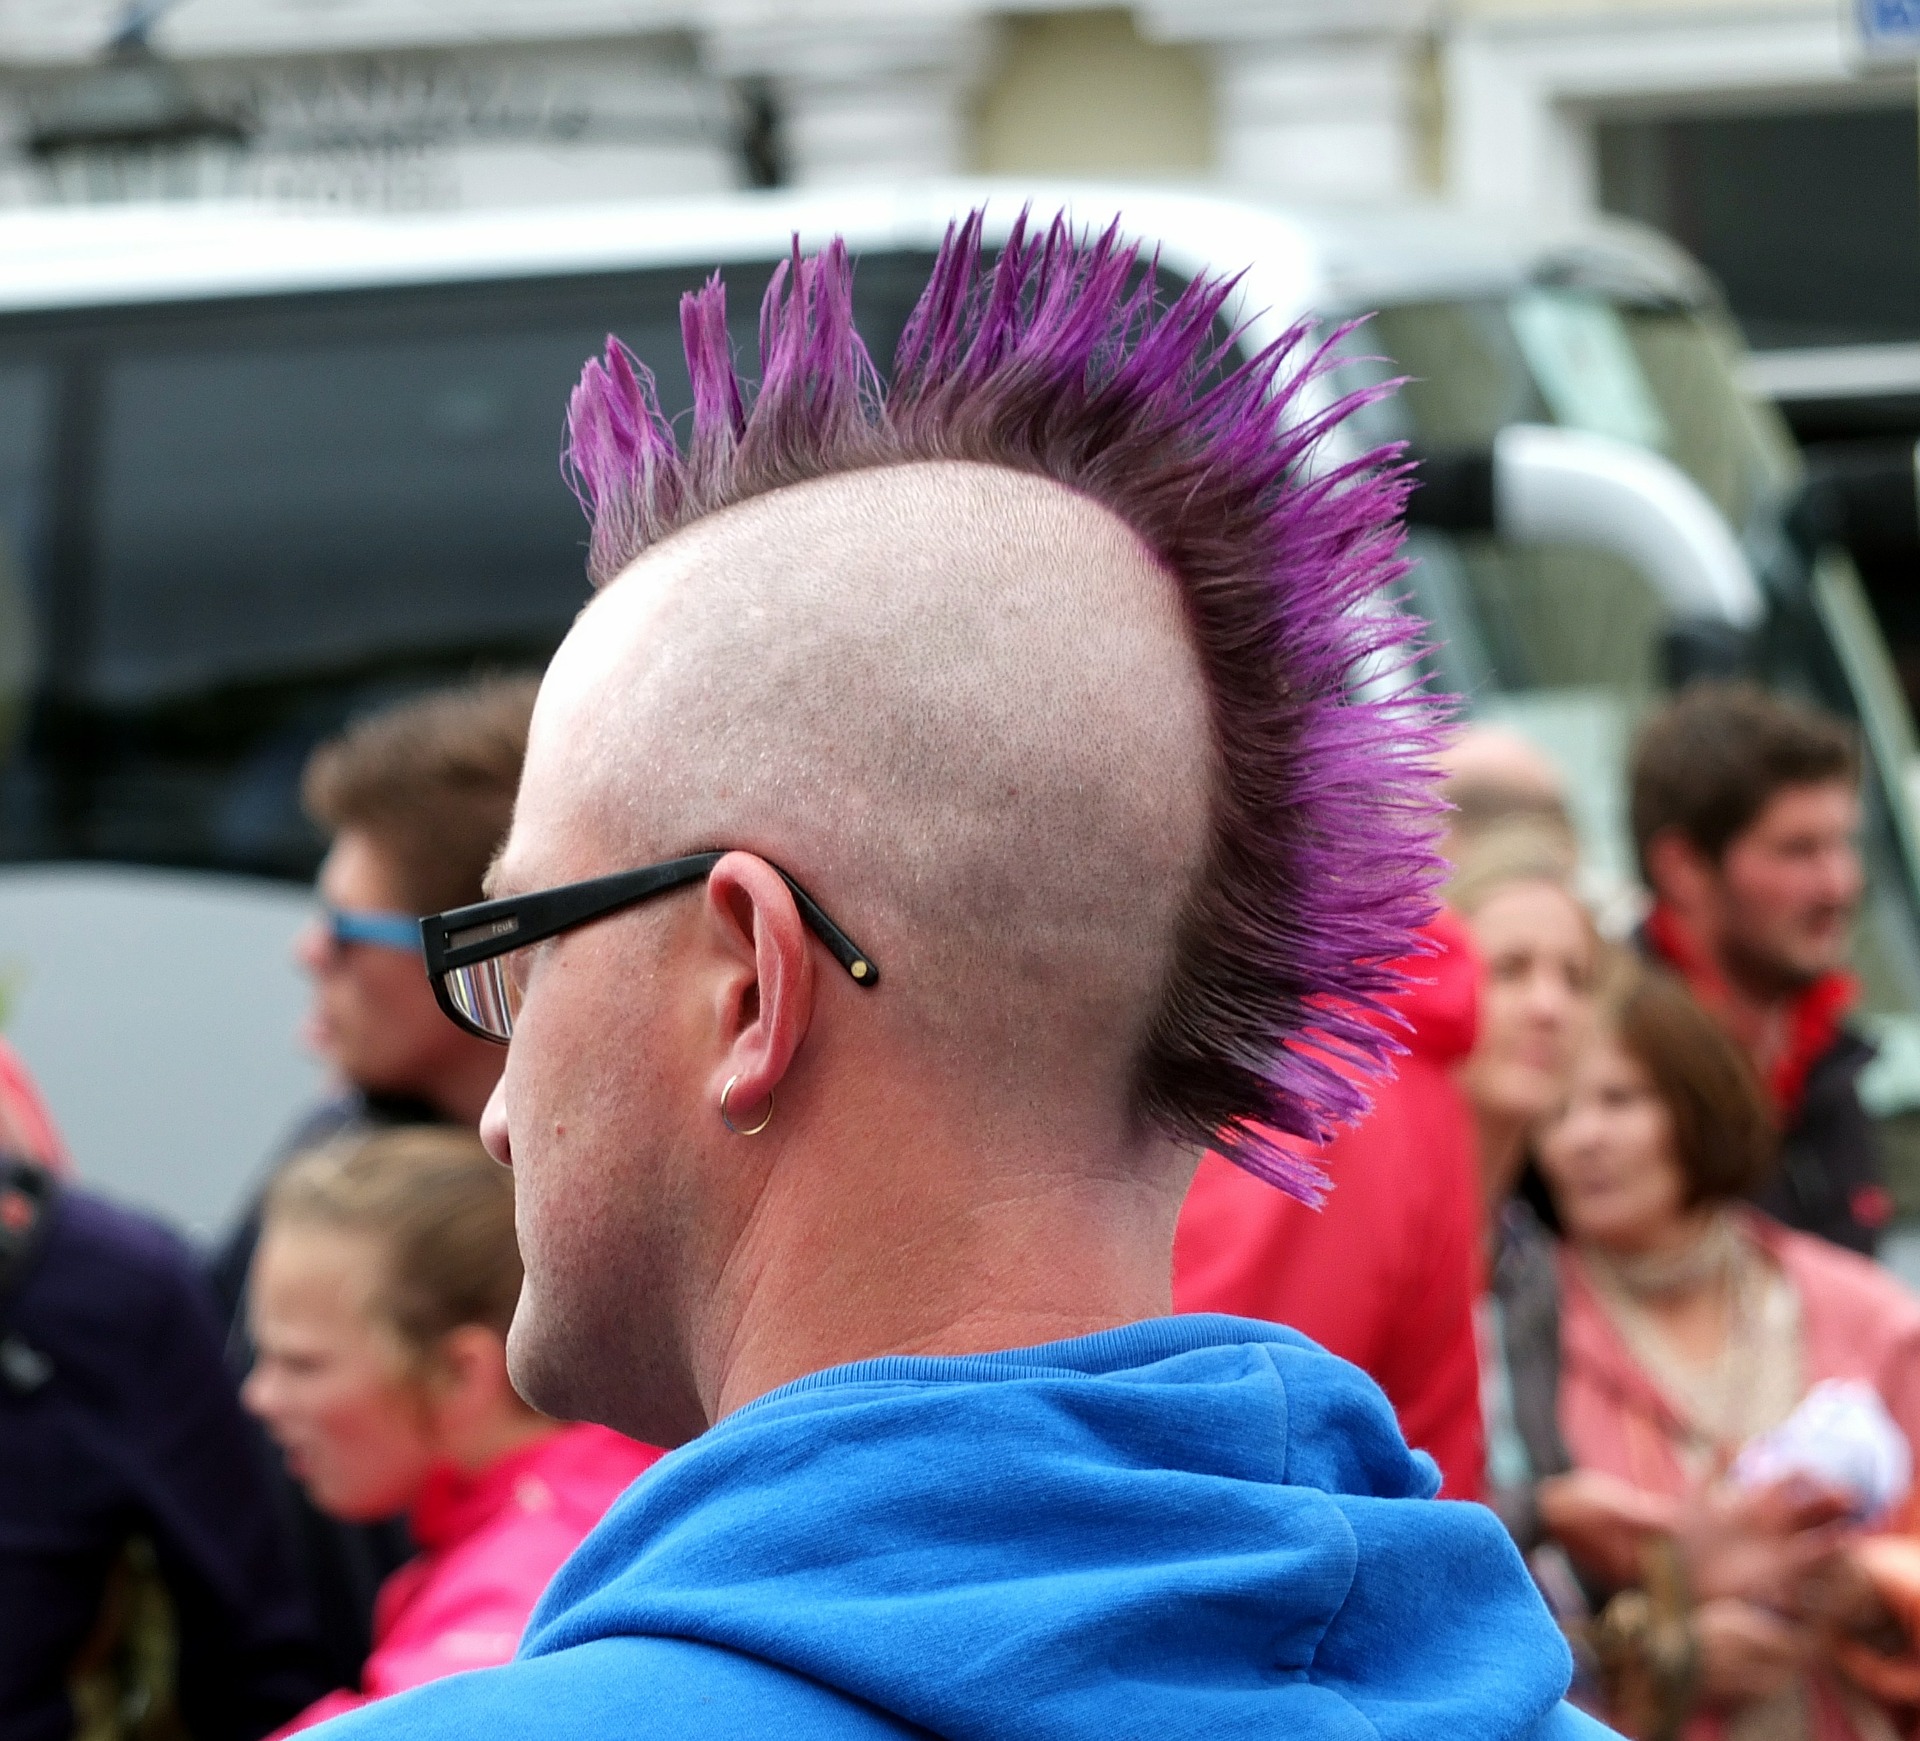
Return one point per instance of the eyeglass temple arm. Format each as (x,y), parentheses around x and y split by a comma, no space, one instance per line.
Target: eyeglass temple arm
(843,948)
(473,934)
(477,933)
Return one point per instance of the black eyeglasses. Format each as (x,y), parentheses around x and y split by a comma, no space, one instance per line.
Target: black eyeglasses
(467,948)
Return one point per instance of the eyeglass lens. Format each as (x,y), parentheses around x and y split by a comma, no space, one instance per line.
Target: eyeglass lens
(487,994)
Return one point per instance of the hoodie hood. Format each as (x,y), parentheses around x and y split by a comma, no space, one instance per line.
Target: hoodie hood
(1440,1002)
(1188,1526)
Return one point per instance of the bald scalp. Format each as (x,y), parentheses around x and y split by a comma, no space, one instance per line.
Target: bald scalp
(1058,356)
(962,705)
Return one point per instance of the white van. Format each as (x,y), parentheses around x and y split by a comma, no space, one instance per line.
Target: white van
(261,470)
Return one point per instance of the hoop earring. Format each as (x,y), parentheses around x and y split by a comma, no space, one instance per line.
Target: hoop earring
(749,1130)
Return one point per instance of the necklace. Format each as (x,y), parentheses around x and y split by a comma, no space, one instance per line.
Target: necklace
(1658,1275)
(1754,1380)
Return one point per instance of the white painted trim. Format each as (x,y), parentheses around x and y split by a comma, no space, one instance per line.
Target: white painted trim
(1833,372)
(1522,95)
(1237,21)
(57,32)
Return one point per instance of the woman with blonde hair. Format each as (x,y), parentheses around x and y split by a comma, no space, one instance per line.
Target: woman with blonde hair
(1513,884)
(379,1301)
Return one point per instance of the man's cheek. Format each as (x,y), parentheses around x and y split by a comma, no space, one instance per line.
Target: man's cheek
(535,1083)
(558,1167)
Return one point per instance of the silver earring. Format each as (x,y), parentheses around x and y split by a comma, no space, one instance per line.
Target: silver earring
(726,1118)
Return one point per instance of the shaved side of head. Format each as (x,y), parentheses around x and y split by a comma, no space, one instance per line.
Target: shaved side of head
(964,701)
(1048,653)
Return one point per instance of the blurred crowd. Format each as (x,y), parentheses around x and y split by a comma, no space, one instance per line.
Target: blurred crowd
(248,1492)
(1605,1240)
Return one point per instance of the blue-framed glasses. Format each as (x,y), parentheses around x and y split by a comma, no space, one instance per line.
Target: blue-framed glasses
(367,925)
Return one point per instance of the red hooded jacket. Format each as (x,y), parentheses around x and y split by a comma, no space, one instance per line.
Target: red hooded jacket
(489,1544)
(1386,1273)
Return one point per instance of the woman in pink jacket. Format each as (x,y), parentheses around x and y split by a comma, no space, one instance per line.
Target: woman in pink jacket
(380,1297)
(1692,1328)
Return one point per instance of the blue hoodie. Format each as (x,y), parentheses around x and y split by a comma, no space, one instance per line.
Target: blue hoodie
(1193,1526)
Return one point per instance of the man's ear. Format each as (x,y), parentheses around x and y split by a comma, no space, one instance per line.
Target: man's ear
(468,1377)
(764,995)
(1681,874)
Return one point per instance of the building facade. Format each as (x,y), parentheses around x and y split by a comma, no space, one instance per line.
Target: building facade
(1761,133)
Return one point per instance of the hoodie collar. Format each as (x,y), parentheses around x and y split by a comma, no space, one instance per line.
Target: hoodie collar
(1188,1525)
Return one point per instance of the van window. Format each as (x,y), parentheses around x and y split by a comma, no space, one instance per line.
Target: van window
(23,440)
(288,507)
(224,529)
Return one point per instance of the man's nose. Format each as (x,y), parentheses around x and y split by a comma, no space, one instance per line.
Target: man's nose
(493,1125)
(312,947)
(255,1392)
(1846,875)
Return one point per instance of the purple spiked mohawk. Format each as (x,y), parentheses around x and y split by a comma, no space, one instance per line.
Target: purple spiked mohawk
(1059,359)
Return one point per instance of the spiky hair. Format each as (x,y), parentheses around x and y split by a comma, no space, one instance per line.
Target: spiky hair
(1060,359)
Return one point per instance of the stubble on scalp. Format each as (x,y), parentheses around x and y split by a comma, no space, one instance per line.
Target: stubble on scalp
(1056,358)
(960,704)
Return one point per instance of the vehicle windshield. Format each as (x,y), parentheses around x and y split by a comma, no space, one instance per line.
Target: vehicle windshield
(226,528)
(1571,646)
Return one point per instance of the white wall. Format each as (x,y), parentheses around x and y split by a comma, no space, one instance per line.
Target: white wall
(865,94)
(383,118)
(1316,99)
(159,1012)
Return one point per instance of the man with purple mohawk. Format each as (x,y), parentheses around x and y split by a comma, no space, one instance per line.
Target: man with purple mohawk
(953,813)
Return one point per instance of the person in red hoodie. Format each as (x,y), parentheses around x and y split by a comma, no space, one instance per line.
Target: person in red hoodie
(380,1297)
(1384,1274)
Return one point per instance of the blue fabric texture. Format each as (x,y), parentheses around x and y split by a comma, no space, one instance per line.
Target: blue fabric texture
(1193,1526)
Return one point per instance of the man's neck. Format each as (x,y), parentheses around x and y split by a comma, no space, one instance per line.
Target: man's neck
(948,1262)
(1760,1022)
(1757,1015)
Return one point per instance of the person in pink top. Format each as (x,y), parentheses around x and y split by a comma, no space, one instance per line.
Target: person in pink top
(27,1130)
(1692,1331)
(380,1297)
